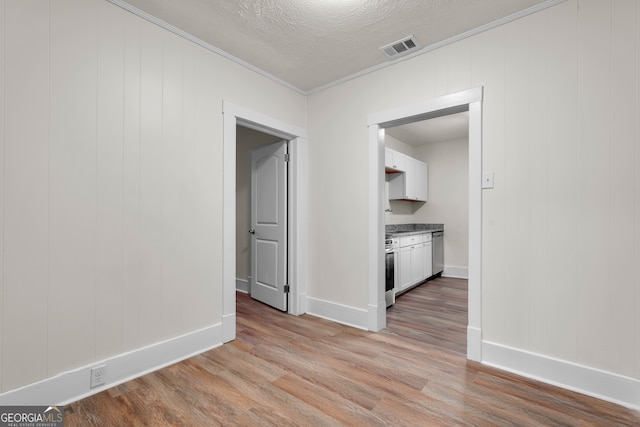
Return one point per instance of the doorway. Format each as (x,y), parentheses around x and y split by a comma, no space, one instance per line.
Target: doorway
(471,101)
(442,143)
(233,116)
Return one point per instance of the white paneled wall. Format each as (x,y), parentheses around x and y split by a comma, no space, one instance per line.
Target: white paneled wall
(111,183)
(72,194)
(2,136)
(26,188)
(625,193)
(556,295)
(131,238)
(561,243)
(559,262)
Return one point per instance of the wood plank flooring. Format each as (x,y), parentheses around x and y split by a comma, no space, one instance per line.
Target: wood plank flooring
(304,371)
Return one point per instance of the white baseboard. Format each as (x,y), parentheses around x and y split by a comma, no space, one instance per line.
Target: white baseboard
(603,385)
(455,272)
(339,313)
(299,307)
(71,386)
(242,286)
(474,344)
(229,327)
(377,316)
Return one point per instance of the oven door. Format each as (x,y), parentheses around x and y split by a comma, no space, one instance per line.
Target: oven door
(390,282)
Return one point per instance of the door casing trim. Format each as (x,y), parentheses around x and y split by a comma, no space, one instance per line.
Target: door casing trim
(297,267)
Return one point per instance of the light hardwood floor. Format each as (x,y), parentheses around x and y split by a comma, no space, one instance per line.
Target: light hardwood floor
(304,371)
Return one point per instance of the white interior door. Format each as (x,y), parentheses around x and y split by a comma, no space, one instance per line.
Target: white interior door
(269,225)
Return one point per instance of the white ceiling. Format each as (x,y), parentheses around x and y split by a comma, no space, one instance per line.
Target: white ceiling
(311,43)
(439,129)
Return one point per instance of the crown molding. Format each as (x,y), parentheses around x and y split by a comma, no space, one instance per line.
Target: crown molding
(440,44)
(163,24)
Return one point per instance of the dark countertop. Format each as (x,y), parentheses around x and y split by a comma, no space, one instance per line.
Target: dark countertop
(397,230)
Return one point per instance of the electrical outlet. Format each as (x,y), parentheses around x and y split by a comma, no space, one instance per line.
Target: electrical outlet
(98,375)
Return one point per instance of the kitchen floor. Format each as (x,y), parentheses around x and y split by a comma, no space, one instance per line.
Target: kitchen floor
(434,313)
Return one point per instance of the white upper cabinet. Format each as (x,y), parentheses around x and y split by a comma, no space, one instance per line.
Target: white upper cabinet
(411,183)
(420,179)
(395,160)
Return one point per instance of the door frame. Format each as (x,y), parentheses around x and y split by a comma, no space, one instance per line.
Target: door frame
(297,255)
(468,100)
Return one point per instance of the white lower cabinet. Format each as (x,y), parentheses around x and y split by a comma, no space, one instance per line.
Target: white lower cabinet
(404,268)
(414,260)
(417,263)
(428,260)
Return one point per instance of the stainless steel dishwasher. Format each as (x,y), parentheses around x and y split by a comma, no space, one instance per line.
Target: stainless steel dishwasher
(438,252)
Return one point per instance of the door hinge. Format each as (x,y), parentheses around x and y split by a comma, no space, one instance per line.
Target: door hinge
(286,157)
(286,289)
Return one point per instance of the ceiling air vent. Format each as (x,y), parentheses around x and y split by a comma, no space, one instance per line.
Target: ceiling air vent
(400,47)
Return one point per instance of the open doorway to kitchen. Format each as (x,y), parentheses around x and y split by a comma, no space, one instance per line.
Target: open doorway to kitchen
(469,101)
(428,239)
(235,117)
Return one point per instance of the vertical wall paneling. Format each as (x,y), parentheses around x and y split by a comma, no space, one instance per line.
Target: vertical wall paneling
(25,172)
(488,71)
(594,86)
(188,197)
(538,182)
(151,53)
(131,185)
(2,63)
(459,66)
(637,199)
(208,177)
(516,183)
(109,157)
(110,187)
(562,176)
(623,142)
(171,183)
(72,184)
(427,80)
(441,69)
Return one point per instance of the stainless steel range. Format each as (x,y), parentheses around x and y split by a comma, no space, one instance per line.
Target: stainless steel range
(390,257)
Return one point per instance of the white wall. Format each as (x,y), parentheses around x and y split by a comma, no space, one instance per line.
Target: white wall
(247,139)
(111,142)
(396,144)
(448,196)
(560,120)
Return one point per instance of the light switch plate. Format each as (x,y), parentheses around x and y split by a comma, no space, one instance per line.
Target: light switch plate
(487,179)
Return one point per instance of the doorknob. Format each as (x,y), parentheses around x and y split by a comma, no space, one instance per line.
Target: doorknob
(252,231)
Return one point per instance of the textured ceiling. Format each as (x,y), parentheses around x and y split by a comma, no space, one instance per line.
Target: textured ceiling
(311,43)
